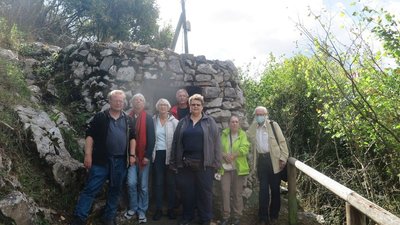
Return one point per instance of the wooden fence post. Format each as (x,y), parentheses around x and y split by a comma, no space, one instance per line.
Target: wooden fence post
(292,171)
(354,217)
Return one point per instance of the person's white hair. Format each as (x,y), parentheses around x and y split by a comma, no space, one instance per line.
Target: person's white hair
(163,101)
(265,110)
(116,92)
(181,90)
(138,95)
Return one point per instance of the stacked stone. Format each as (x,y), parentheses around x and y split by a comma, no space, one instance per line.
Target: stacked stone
(97,68)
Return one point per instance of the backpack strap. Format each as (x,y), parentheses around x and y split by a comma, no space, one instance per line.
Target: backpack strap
(273,130)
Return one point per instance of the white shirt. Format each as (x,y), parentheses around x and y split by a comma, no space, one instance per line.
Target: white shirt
(262,139)
(161,142)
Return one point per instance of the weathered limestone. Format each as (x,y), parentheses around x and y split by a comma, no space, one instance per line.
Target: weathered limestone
(49,143)
(19,208)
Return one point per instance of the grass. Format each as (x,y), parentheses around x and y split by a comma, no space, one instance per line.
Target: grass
(13,87)
(33,174)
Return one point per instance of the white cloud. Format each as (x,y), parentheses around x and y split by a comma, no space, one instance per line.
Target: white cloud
(243,30)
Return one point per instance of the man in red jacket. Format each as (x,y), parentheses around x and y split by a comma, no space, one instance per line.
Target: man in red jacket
(182,108)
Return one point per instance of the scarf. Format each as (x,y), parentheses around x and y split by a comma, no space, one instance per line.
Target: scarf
(141,140)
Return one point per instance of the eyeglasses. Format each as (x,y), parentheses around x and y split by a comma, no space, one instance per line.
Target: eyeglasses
(198,105)
(117,101)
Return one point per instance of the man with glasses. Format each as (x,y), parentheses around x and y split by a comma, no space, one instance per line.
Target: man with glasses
(110,146)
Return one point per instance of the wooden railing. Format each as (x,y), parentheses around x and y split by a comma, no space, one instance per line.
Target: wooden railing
(357,207)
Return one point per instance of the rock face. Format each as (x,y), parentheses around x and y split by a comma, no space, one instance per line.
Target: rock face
(97,68)
(19,208)
(49,144)
(94,69)
(88,72)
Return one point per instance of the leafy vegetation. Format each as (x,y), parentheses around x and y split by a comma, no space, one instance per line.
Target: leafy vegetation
(62,22)
(31,173)
(339,109)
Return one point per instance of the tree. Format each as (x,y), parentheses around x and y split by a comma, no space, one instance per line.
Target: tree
(339,109)
(62,22)
(360,96)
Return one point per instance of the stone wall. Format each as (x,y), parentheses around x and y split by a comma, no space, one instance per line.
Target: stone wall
(94,69)
(97,68)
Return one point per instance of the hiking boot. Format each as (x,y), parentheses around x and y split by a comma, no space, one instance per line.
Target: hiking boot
(184,222)
(206,223)
(78,221)
(171,214)
(224,222)
(157,215)
(108,222)
(273,222)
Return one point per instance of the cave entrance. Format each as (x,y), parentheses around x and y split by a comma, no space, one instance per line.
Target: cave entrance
(153,90)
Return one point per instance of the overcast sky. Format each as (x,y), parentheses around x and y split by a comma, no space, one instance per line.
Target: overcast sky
(248,31)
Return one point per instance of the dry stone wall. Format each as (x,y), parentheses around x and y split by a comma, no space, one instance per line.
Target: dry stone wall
(97,68)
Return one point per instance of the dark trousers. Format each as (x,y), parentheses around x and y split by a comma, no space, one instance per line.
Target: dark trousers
(163,177)
(268,182)
(196,191)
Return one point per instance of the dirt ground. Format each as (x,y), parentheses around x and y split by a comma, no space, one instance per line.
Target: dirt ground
(249,217)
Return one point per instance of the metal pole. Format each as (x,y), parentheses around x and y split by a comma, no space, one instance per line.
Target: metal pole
(184,26)
(177,31)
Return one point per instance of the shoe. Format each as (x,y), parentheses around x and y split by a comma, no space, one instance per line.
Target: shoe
(142,219)
(108,222)
(273,222)
(171,214)
(77,221)
(224,222)
(207,223)
(129,214)
(184,222)
(157,215)
(235,221)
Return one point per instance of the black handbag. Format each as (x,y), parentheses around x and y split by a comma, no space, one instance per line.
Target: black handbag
(193,164)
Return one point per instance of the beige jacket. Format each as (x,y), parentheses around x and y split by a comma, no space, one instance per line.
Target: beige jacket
(278,152)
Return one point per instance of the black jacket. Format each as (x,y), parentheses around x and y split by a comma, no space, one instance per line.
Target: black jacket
(98,129)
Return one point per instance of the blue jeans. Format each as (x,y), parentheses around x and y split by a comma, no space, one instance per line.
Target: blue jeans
(163,177)
(115,170)
(138,189)
(268,182)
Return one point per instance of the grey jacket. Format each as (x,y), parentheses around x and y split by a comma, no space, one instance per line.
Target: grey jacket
(211,143)
(170,127)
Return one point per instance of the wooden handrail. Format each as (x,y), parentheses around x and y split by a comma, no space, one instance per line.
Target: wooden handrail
(353,199)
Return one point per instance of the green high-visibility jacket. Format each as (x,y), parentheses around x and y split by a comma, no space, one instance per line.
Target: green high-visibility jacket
(240,146)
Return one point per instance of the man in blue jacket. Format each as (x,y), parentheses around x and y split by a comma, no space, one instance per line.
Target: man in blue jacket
(109,148)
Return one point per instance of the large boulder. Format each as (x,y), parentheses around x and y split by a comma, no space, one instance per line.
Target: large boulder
(49,144)
(19,208)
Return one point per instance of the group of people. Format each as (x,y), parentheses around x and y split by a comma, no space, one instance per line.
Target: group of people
(186,151)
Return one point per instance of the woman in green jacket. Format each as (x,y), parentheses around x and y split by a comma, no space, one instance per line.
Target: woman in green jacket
(235,148)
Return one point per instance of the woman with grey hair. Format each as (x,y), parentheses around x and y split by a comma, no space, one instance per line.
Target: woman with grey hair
(138,174)
(164,125)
